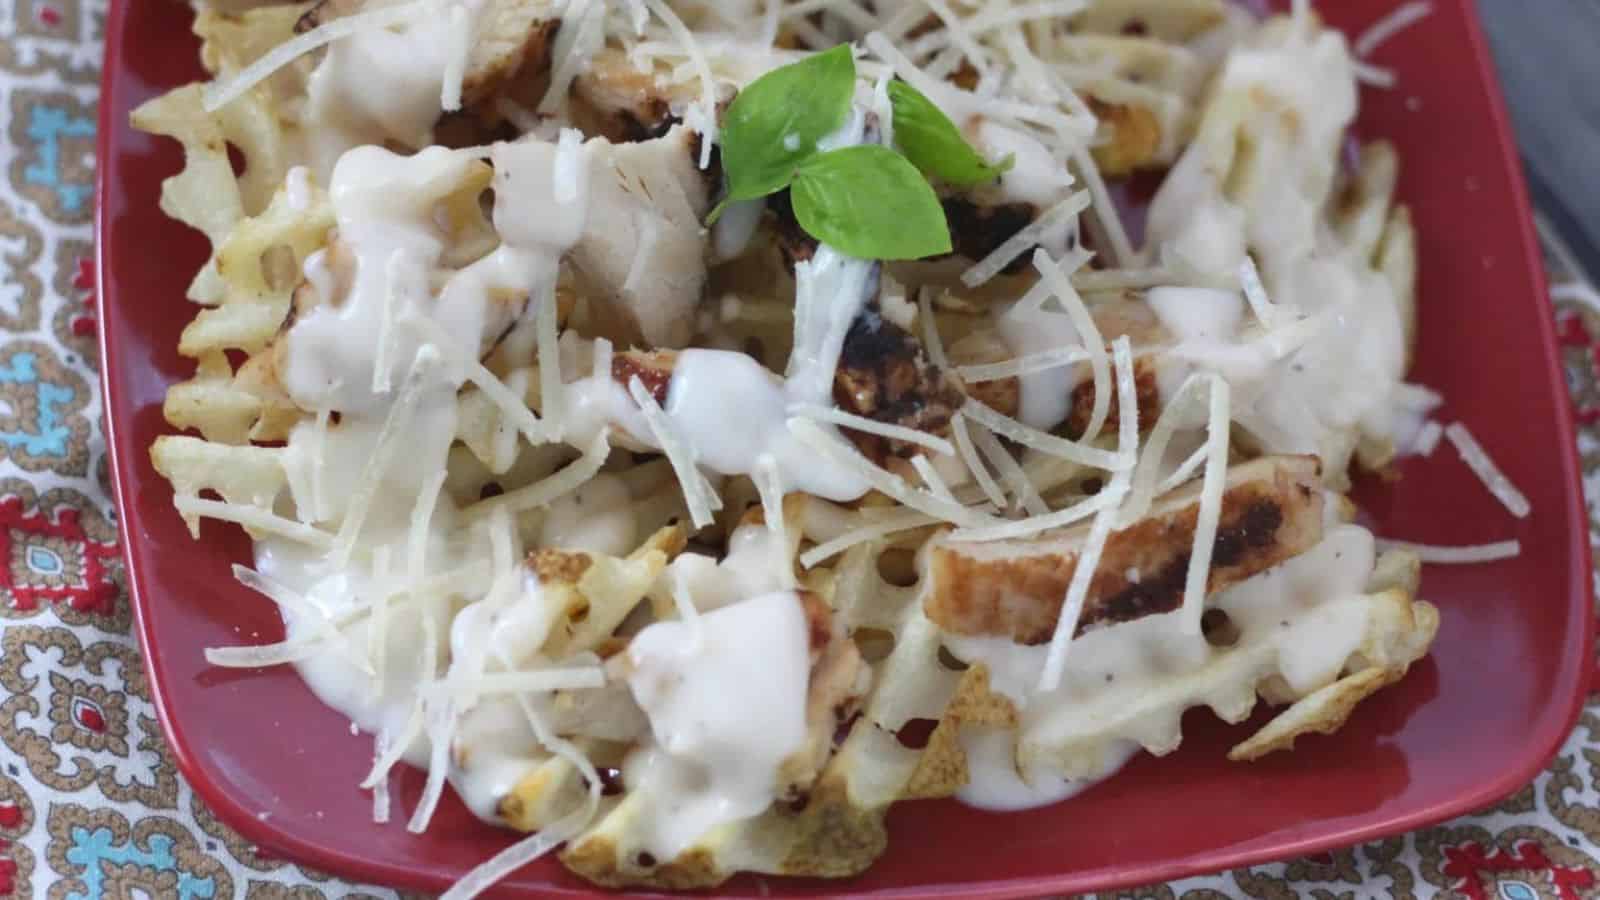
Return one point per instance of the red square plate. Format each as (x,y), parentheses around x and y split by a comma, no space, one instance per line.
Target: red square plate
(1471,723)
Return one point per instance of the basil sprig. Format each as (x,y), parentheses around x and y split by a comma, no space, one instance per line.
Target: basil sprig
(933,143)
(774,124)
(867,201)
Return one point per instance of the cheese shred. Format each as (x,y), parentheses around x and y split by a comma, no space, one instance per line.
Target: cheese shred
(220,93)
(697,492)
(1479,461)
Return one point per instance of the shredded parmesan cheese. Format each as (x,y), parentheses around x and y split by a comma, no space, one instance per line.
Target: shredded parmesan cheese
(931,478)
(705,115)
(931,340)
(835,416)
(1256,294)
(252,517)
(1210,515)
(841,453)
(1042,361)
(1025,494)
(390,437)
(1029,235)
(969,456)
(552,396)
(1144,478)
(1478,460)
(455,67)
(1400,18)
(319,495)
(378,628)
(1428,438)
(1463,555)
(582,32)
(1088,333)
(534,680)
(262,655)
(530,848)
(1119,249)
(1184,471)
(769,485)
(380,790)
(899,520)
(511,406)
(220,93)
(1105,520)
(1377,76)
(1060,518)
(1042,441)
(541,492)
(439,723)
(699,495)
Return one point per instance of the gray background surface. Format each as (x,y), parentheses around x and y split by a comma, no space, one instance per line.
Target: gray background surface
(1548,52)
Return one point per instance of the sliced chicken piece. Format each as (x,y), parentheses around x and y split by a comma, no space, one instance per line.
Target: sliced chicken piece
(1272,509)
(642,256)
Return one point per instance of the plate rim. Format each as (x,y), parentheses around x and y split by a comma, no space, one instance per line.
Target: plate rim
(1538,750)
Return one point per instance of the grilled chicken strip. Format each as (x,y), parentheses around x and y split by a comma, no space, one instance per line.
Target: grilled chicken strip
(885,375)
(1272,509)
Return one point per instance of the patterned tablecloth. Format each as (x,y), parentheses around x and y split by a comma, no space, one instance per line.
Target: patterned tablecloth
(91,805)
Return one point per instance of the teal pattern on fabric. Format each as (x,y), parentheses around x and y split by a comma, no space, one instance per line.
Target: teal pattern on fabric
(52,435)
(47,125)
(92,848)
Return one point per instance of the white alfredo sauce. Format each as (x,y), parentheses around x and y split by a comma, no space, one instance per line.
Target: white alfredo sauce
(334,358)
(381,84)
(754,565)
(1344,379)
(731,409)
(596,517)
(359,351)
(1302,618)
(1046,396)
(725,695)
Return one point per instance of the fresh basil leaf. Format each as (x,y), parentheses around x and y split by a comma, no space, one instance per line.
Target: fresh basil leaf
(933,143)
(774,124)
(869,202)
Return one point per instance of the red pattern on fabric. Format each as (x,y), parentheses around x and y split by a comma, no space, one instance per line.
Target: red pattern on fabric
(1468,862)
(83,324)
(50,16)
(88,715)
(10,817)
(94,592)
(1573,331)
